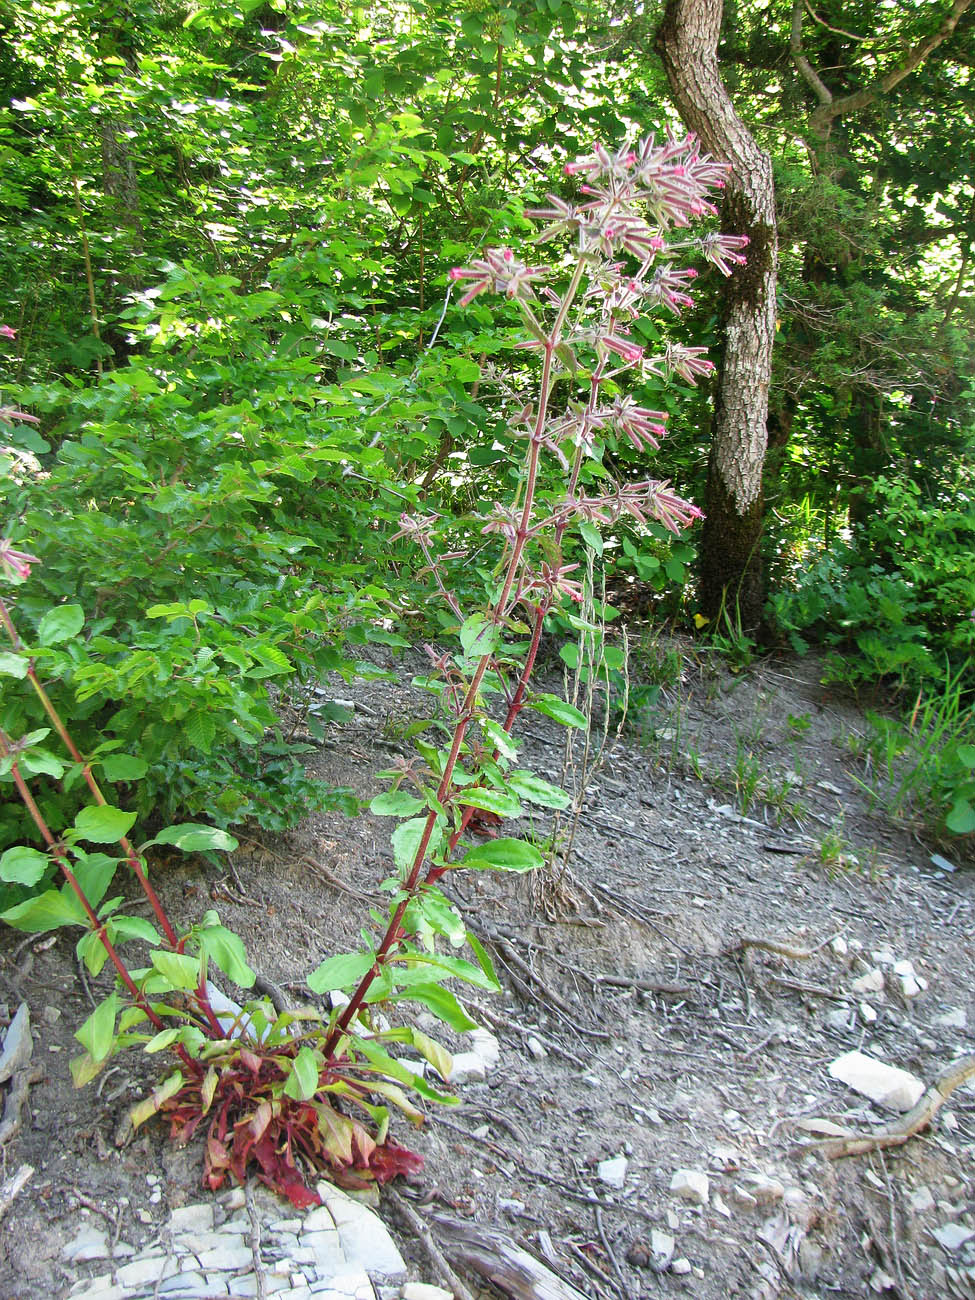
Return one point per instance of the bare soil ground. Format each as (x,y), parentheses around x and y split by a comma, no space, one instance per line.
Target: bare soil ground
(674,998)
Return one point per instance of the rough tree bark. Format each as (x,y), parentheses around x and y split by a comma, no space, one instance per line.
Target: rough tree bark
(731,569)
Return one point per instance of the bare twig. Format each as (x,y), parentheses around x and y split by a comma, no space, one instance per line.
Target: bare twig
(20,1083)
(610,1253)
(421,1230)
(13,1186)
(260,1276)
(899,1131)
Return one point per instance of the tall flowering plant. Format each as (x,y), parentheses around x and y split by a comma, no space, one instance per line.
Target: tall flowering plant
(620,248)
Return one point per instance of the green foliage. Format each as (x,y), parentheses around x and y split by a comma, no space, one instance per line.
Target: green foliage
(897,596)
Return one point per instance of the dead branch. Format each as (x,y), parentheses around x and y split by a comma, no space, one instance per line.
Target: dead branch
(899,1131)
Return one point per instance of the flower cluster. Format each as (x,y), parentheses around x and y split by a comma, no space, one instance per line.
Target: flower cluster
(501,272)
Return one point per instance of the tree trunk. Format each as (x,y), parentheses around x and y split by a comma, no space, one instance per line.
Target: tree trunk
(731,563)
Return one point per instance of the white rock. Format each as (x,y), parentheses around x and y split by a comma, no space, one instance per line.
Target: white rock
(884,957)
(887,1085)
(230,1255)
(613,1172)
(691,1185)
(720,1206)
(317,1220)
(424,1291)
(764,1188)
(681,1266)
(921,1200)
(952,1235)
(188,1284)
(191,1218)
(364,1237)
(328,1250)
(662,1246)
(89,1243)
(147,1271)
(871,982)
(868,1013)
(534,1046)
(881,1281)
(839,946)
(955,1018)
(838,1018)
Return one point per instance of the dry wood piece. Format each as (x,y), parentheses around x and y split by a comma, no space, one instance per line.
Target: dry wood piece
(899,1131)
(422,1231)
(774,946)
(16,1100)
(14,1185)
(503,1263)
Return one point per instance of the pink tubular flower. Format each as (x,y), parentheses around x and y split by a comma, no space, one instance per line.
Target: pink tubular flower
(689,363)
(500,271)
(602,163)
(7,333)
(643,428)
(551,580)
(652,499)
(8,413)
(624,349)
(15,564)
(723,251)
(417,527)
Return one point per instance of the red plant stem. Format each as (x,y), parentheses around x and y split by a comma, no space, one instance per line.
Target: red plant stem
(413,884)
(128,848)
(62,862)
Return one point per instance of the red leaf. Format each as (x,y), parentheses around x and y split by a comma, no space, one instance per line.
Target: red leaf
(391,1159)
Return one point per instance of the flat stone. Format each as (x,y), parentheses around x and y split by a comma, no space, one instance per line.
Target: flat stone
(232,1255)
(296,1293)
(89,1243)
(613,1172)
(186,1282)
(365,1241)
(952,1236)
(330,1255)
(285,1242)
(147,1271)
(191,1218)
(871,982)
(197,1241)
(317,1220)
(100,1288)
(216,1285)
(691,1185)
(346,1286)
(239,1223)
(423,1291)
(921,1200)
(247,1286)
(296,1225)
(662,1246)
(18,1046)
(887,1085)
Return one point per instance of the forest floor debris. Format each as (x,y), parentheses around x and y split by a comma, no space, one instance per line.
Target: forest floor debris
(674,1007)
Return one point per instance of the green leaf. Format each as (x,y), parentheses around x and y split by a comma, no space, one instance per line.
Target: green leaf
(146,1109)
(163,1039)
(396,803)
(343,971)
(592,537)
(479,636)
(553,707)
(431,1051)
(504,855)
(45,912)
(97,1034)
(102,823)
(499,738)
(441,916)
(23,865)
(485,963)
(124,767)
(178,969)
(961,819)
(135,927)
(406,839)
(441,1002)
(40,762)
(302,1082)
(495,801)
(192,837)
(12,665)
(201,730)
(226,949)
(92,952)
(60,624)
(535,790)
(966,754)
(94,873)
